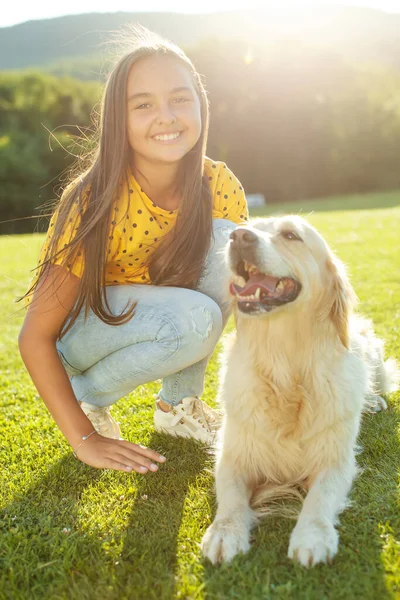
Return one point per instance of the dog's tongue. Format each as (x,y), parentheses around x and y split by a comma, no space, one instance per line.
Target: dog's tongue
(258,280)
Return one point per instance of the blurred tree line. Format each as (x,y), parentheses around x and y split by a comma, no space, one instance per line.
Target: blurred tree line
(298,122)
(292,121)
(41,119)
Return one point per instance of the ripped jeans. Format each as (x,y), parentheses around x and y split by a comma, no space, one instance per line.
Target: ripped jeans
(170,336)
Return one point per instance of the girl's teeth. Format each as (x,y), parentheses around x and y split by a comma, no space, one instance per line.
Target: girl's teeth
(169,136)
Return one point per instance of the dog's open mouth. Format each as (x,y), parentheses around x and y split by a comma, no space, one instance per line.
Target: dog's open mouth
(262,292)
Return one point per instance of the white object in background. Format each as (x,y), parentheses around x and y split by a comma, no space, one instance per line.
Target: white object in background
(255,200)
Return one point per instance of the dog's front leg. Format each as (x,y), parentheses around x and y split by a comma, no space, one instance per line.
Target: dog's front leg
(314,538)
(230,532)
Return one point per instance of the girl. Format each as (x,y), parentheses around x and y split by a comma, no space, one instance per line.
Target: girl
(129,286)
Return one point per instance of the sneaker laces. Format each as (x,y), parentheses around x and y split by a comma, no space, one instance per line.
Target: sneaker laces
(208,417)
(100,419)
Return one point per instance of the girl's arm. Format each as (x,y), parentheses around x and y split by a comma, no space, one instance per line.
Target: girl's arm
(52,302)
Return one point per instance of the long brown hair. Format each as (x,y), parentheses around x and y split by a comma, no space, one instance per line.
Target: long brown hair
(179,258)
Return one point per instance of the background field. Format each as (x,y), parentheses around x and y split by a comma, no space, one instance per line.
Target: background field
(303,105)
(69,531)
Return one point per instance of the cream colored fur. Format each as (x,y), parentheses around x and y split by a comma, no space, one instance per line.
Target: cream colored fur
(294,383)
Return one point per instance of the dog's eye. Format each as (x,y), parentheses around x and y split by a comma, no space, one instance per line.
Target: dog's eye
(291,235)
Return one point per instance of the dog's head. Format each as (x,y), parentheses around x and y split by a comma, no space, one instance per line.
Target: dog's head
(281,263)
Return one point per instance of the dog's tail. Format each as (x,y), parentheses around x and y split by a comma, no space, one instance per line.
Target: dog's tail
(267,500)
(384,374)
(387,377)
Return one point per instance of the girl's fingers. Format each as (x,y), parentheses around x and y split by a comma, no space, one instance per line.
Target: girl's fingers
(135,459)
(152,454)
(129,450)
(107,453)
(109,463)
(138,458)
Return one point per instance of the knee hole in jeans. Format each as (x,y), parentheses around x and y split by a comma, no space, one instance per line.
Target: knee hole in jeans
(205,326)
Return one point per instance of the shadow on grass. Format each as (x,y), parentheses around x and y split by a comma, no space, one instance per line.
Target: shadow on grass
(36,544)
(150,560)
(60,543)
(63,537)
(357,571)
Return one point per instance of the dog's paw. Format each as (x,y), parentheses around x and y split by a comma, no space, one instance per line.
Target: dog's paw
(224,539)
(313,542)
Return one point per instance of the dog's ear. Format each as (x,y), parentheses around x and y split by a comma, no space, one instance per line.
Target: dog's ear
(342,298)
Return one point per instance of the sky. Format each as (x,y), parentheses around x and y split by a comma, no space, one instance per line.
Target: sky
(25,10)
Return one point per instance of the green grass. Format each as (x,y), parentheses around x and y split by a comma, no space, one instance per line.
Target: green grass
(69,531)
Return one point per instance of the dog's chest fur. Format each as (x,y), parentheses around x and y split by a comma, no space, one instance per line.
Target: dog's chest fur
(284,421)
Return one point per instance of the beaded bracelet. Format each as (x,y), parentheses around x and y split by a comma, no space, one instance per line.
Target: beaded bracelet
(84,438)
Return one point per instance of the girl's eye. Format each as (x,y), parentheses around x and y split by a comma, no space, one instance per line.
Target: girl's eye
(143,106)
(290,235)
(180,100)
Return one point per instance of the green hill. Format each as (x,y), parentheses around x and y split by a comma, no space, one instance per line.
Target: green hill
(75,43)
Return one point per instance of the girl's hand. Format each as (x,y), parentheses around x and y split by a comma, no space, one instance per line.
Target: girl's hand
(107,453)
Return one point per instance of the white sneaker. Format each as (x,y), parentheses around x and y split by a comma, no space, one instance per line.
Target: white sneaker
(191,418)
(101,420)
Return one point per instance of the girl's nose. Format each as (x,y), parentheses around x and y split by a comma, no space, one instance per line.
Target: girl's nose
(166,116)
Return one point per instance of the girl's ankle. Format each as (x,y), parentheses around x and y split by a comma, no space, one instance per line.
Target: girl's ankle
(163,405)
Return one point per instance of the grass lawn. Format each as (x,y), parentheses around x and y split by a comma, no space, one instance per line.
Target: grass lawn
(70,531)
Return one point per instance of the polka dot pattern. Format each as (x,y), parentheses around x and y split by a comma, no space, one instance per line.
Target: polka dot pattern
(227,191)
(138,225)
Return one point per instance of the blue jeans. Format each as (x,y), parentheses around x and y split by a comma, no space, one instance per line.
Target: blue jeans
(170,336)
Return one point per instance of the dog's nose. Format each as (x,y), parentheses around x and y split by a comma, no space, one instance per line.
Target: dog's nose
(243,237)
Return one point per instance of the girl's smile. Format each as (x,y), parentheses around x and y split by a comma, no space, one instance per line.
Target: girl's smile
(167,137)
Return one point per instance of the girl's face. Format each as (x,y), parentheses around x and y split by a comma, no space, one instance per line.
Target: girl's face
(164,120)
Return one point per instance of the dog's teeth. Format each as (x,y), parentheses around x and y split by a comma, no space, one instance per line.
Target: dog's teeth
(240,281)
(249,267)
(280,286)
(257,294)
(247,298)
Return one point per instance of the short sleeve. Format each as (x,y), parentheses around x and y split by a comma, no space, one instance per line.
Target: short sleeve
(229,200)
(76,265)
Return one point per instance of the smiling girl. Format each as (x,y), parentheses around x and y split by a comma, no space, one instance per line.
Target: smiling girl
(130,282)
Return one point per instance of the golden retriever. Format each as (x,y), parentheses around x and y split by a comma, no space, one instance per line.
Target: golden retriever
(297,374)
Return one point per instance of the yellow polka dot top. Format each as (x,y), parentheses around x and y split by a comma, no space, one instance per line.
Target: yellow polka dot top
(138,225)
